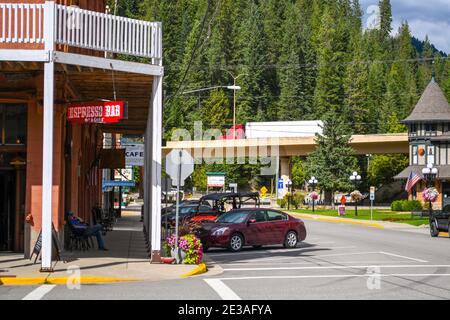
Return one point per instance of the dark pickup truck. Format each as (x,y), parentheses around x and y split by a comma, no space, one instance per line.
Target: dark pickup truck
(440,221)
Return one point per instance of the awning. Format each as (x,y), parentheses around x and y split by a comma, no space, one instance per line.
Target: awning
(443,172)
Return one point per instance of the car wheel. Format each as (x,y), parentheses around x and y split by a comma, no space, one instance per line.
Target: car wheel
(434,231)
(236,242)
(291,240)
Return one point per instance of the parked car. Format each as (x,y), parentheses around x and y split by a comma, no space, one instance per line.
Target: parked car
(186,211)
(252,227)
(224,202)
(440,221)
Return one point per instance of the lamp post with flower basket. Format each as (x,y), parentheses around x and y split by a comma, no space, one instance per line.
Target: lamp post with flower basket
(355,178)
(430,194)
(314,196)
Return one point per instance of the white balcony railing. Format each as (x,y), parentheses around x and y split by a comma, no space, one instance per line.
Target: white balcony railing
(21,23)
(75,27)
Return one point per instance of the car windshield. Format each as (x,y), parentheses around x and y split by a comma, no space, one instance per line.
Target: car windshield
(186,210)
(233,217)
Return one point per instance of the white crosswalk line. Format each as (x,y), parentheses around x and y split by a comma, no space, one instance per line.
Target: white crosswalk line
(40,292)
(222,289)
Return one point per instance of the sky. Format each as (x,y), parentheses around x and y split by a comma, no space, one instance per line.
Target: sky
(425,17)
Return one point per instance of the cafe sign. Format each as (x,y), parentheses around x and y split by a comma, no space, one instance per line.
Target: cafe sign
(96,112)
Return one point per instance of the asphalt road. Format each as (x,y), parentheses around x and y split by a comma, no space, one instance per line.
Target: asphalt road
(336,261)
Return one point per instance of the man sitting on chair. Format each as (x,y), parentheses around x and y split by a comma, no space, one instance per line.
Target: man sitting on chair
(78,224)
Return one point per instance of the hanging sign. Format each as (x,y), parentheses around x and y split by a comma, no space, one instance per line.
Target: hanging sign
(134,155)
(97,112)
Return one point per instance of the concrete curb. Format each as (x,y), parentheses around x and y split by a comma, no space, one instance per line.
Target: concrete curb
(199,270)
(12,281)
(339,220)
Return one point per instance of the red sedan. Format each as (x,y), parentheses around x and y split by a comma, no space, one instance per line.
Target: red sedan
(253,227)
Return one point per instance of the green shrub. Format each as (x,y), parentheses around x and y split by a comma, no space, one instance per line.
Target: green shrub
(297,199)
(406,205)
(396,205)
(282,203)
(412,205)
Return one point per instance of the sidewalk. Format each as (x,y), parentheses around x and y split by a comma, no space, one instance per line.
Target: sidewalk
(126,260)
(368,223)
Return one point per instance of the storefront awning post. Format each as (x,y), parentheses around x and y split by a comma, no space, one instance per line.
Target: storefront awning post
(156,133)
(47,164)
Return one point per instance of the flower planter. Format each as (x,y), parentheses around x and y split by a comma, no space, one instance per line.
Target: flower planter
(181,256)
(168,260)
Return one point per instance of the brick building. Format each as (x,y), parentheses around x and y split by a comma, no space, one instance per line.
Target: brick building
(53,54)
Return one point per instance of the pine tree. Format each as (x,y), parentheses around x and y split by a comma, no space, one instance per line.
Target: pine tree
(255,96)
(296,78)
(329,94)
(385,19)
(333,161)
(356,91)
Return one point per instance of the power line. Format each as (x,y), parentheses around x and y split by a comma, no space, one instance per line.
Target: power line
(196,47)
(309,66)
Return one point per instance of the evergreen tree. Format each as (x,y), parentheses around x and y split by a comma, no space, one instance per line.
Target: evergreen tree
(255,97)
(329,94)
(385,19)
(356,100)
(296,78)
(332,162)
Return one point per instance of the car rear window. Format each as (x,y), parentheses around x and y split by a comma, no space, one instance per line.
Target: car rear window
(275,216)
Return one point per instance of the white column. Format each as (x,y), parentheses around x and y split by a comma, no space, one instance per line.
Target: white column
(156,135)
(47,163)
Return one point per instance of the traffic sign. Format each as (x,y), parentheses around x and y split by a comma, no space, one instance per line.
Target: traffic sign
(179,166)
(280,184)
(263,192)
(372,193)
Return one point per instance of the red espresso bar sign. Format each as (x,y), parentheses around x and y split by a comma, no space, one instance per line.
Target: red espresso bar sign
(96,112)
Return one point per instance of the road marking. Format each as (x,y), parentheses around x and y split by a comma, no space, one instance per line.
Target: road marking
(377,263)
(412,275)
(404,257)
(336,267)
(222,289)
(40,292)
(229,254)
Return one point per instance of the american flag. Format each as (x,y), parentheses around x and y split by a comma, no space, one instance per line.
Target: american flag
(412,180)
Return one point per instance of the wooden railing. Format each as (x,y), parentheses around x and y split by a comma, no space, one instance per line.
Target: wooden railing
(75,27)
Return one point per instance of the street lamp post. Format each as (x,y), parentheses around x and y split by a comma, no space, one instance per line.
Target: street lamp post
(429,175)
(313,183)
(234,87)
(289,185)
(355,178)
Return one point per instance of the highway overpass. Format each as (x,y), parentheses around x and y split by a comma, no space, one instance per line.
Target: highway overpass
(294,146)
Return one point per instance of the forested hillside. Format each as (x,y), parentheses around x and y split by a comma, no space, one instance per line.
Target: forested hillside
(301,59)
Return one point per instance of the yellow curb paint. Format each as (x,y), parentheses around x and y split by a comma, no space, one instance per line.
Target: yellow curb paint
(199,270)
(58,280)
(443,234)
(348,221)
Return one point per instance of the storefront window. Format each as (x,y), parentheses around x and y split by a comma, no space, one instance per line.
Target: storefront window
(13,124)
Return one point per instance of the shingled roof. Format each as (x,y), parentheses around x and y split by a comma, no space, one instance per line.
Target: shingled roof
(432,106)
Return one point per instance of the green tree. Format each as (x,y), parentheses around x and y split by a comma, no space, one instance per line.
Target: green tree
(385,19)
(298,172)
(216,110)
(383,168)
(356,91)
(333,160)
(329,94)
(255,101)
